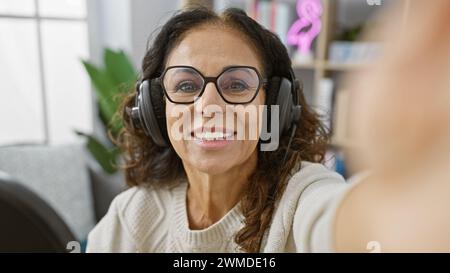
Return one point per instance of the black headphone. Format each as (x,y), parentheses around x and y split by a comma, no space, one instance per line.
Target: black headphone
(148,111)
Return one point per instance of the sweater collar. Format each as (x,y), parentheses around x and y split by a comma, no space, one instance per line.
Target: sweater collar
(219,233)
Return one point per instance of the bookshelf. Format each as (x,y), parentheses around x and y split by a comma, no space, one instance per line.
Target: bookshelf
(322,67)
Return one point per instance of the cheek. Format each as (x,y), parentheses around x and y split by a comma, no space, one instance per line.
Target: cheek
(178,120)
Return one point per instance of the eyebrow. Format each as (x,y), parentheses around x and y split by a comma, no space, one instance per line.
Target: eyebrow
(188,70)
(237,67)
(233,66)
(185,69)
(193,70)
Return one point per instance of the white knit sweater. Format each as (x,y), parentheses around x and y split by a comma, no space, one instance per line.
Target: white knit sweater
(150,219)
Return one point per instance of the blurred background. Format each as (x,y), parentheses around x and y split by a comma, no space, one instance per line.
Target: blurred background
(63,63)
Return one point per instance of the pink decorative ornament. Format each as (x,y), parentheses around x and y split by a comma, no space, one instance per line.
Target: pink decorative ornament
(309,12)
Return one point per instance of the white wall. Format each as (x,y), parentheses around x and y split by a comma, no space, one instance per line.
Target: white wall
(126,24)
(109,26)
(147,17)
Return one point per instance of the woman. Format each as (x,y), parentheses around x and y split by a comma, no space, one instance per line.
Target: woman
(204,192)
(226,195)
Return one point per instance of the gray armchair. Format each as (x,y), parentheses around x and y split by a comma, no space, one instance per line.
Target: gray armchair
(62,176)
(28,223)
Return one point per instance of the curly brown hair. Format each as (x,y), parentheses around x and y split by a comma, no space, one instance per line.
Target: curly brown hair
(145,162)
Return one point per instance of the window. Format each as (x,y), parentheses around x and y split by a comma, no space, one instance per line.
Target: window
(44,90)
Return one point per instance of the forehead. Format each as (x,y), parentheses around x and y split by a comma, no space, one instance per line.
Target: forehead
(210,48)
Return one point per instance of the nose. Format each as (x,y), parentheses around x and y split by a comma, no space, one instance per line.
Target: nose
(210,99)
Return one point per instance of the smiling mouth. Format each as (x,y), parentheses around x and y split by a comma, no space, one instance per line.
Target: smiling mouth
(212,134)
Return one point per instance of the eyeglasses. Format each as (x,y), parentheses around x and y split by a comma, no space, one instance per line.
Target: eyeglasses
(235,84)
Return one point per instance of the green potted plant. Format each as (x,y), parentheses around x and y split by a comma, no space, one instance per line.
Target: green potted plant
(116,77)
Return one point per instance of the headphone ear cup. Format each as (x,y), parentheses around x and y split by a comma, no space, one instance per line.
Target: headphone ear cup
(285,102)
(271,99)
(272,91)
(153,112)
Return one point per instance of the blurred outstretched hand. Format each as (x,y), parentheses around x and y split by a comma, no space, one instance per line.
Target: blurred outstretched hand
(400,117)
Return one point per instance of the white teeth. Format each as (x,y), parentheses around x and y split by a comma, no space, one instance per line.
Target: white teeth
(213,135)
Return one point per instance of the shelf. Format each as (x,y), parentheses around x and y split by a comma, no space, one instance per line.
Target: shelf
(329,66)
(344,66)
(311,65)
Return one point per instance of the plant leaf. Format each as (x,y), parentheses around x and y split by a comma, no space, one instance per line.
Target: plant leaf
(105,90)
(120,69)
(106,158)
(117,77)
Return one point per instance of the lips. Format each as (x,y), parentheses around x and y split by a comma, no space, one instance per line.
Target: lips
(212,134)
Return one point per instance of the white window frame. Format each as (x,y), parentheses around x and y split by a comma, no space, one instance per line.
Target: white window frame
(36,17)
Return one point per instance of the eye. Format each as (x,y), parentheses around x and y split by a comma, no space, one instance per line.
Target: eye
(235,86)
(186,87)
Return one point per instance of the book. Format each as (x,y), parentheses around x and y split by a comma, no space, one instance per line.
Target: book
(323,101)
(353,52)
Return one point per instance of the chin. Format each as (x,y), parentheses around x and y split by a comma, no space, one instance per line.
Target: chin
(211,166)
